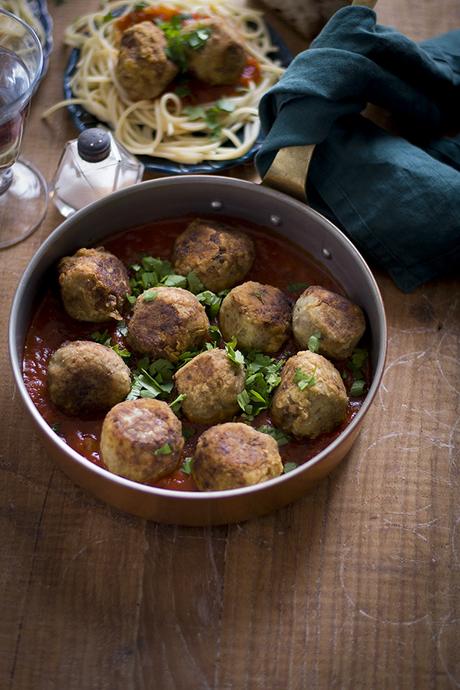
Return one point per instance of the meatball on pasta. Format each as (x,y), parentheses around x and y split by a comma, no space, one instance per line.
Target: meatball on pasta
(338,322)
(143,68)
(93,285)
(211,384)
(219,255)
(85,377)
(311,398)
(232,455)
(258,316)
(142,440)
(166,322)
(222,57)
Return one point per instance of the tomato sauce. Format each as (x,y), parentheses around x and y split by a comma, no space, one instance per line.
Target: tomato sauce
(278,262)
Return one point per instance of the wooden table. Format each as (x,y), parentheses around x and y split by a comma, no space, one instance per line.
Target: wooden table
(355,586)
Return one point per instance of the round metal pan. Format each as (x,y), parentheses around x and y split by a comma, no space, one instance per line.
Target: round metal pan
(174,197)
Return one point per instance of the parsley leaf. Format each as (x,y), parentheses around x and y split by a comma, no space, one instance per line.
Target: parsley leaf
(194,283)
(289,466)
(280,437)
(297,287)
(357,388)
(262,377)
(313,341)
(233,355)
(165,449)
(186,466)
(176,404)
(303,380)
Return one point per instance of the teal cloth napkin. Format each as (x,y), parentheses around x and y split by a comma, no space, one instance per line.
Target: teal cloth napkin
(396,197)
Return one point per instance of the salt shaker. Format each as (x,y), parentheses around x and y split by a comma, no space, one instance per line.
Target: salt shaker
(91,167)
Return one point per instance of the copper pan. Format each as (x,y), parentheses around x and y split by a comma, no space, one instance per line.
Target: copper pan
(173,197)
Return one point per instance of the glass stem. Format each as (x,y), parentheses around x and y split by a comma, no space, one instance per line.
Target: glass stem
(6,178)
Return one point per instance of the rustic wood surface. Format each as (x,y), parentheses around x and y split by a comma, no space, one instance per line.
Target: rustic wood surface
(355,586)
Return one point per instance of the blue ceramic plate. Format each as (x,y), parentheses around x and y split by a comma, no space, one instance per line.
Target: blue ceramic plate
(40,9)
(82,120)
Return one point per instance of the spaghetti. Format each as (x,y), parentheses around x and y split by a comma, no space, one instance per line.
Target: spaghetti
(185,125)
(25,11)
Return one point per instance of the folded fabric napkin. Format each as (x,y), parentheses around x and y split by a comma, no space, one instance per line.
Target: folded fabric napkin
(396,197)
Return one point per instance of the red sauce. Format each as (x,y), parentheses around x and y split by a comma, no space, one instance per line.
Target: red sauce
(200,92)
(278,263)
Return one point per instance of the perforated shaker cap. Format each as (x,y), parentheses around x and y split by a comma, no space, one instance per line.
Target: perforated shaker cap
(94,145)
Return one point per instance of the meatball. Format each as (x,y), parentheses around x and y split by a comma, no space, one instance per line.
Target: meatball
(142,440)
(232,455)
(211,383)
(258,316)
(311,398)
(221,59)
(340,323)
(219,255)
(86,377)
(93,284)
(166,322)
(143,68)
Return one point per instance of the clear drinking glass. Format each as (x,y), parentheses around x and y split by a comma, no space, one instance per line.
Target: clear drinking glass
(23,192)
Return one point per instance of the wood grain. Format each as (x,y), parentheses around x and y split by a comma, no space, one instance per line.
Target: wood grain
(354,587)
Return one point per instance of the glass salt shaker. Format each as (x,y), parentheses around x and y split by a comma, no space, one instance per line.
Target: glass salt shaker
(91,167)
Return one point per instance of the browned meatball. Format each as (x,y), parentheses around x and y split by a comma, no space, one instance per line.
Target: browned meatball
(86,377)
(93,285)
(339,322)
(258,316)
(232,455)
(211,383)
(143,68)
(219,255)
(311,398)
(221,59)
(142,440)
(166,322)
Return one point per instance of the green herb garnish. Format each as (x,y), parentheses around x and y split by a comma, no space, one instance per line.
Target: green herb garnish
(194,283)
(357,388)
(289,466)
(313,341)
(186,466)
(233,355)
(149,295)
(280,437)
(356,364)
(165,449)
(179,41)
(297,287)
(262,377)
(176,404)
(303,380)
(101,337)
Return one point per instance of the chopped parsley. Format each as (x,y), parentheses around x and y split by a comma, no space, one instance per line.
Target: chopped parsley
(103,338)
(313,341)
(289,466)
(165,449)
(194,283)
(233,355)
(179,41)
(212,301)
(303,380)
(152,379)
(149,295)
(212,115)
(176,404)
(297,287)
(280,437)
(262,377)
(186,466)
(356,365)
